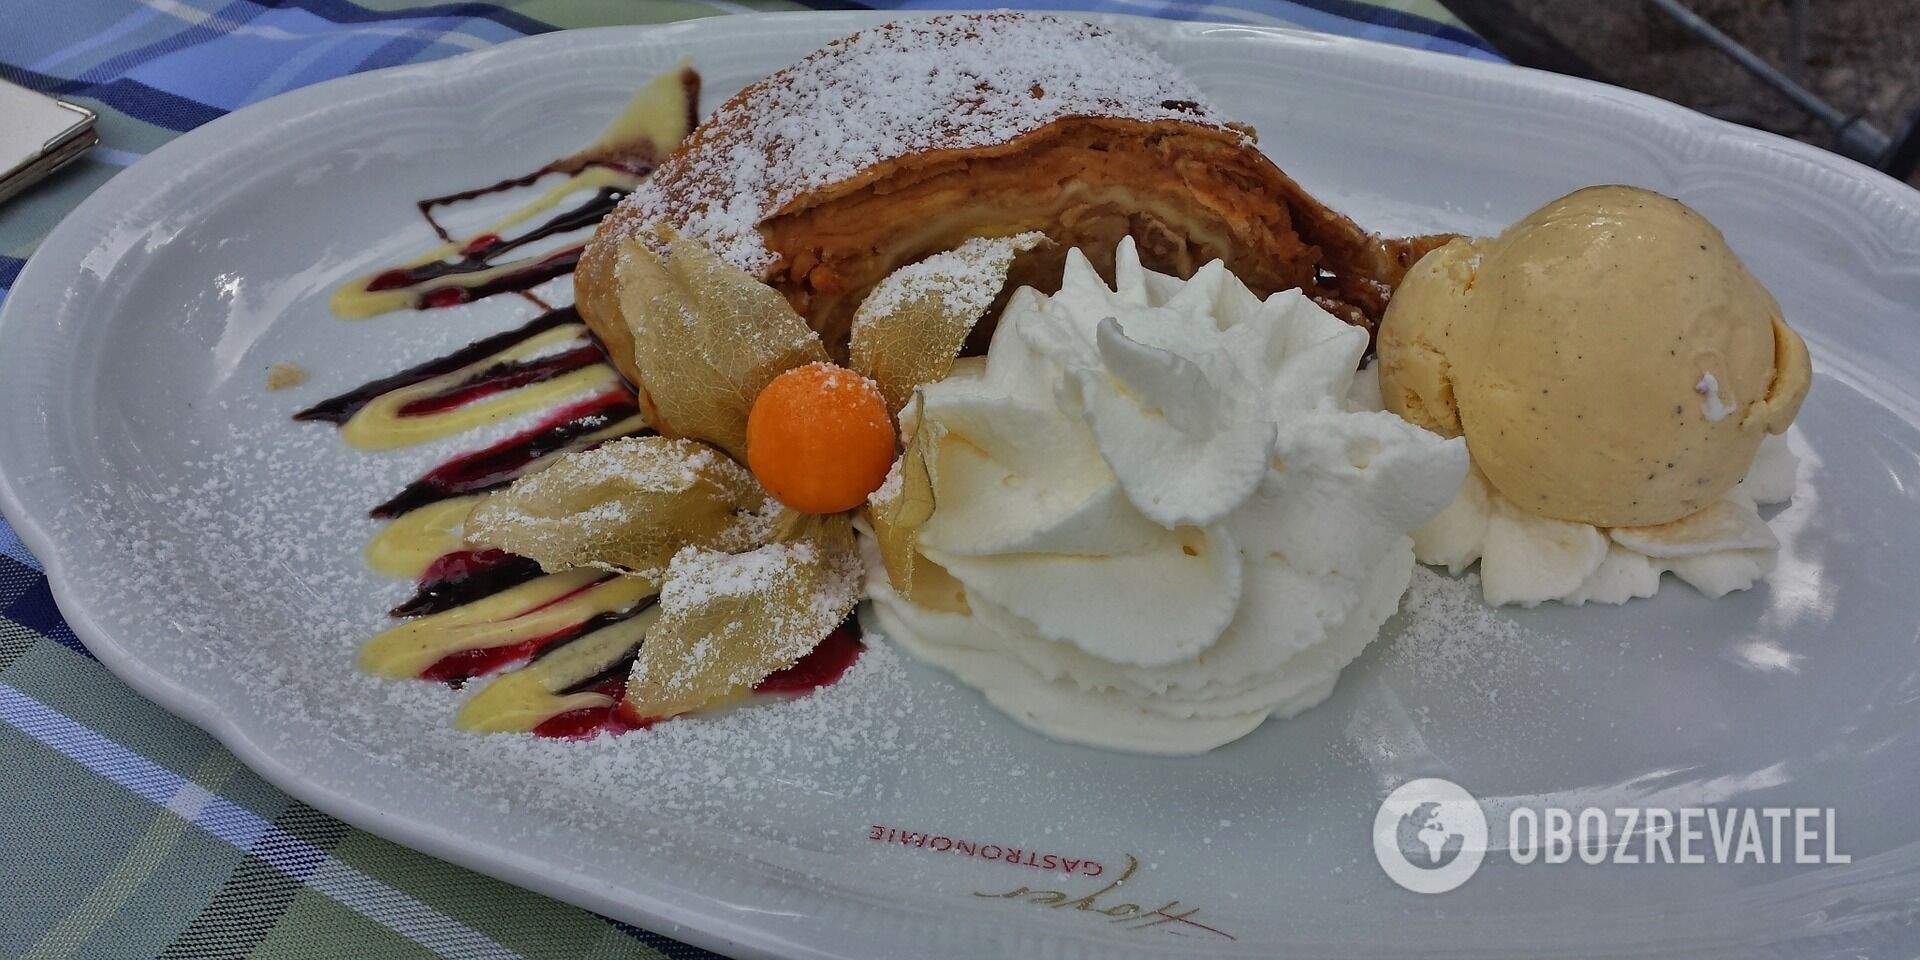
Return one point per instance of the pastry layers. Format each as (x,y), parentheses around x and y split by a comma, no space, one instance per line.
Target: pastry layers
(909,138)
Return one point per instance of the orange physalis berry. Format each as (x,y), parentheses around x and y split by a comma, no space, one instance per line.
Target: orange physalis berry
(819,438)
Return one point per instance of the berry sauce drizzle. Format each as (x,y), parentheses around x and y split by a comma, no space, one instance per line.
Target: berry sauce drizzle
(339,409)
(482,611)
(489,245)
(445,283)
(820,668)
(568,429)
(455,669)
(503,377)
(463,576)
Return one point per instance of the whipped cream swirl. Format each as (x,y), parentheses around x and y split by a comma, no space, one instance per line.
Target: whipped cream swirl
(1161,521)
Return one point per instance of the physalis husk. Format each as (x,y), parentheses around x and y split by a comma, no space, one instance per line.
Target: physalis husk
(905,502)
(707,337)
(628,505)
(727,621)
(911,326)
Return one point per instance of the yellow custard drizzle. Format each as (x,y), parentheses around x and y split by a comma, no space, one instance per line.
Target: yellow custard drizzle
(587,622)
(355,302)
(660,114)
(380,425)
(519,701)
(410,544)
(525,612)
(653,123)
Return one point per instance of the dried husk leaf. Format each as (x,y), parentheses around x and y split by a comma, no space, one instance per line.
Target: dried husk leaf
(914,322)
(707,337)
(792,526)
(728,621)
(905,502)
(628,505)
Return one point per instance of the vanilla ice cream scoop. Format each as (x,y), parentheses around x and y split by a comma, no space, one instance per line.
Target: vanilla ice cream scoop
(1608,358)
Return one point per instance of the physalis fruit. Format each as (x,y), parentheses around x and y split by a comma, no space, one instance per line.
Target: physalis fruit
(819,438)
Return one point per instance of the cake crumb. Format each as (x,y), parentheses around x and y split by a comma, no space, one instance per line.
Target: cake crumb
(282,375)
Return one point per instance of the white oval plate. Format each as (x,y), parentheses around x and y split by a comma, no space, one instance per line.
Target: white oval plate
(207,549)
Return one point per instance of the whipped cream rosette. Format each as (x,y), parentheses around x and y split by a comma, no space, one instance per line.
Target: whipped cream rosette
(1527,559)
(1157,523)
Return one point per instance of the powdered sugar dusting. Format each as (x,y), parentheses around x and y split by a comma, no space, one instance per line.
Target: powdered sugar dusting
(700,576)
(1449,635)
(890,488)
(255,544)
(953,82)
(728,620)
(1449,639)
(968,277)
(655,465)
(626,506)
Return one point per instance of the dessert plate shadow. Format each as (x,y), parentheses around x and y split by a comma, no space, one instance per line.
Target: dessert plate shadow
(207,548)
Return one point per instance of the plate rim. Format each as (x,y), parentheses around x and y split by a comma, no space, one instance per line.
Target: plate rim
(693,918)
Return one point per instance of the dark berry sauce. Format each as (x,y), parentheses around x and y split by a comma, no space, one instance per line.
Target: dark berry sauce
(461,577)
(339,409)
(567,429)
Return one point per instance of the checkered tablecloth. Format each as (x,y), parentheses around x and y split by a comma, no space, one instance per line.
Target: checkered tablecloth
(125,832)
